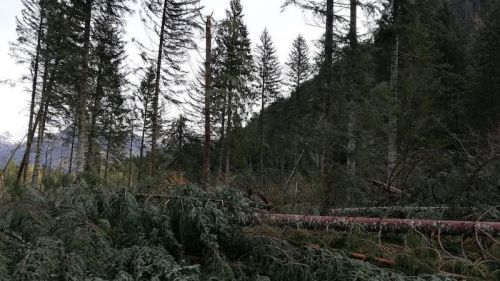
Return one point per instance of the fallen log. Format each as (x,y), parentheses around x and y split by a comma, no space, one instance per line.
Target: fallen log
(388,225)
(391,209)
(379,261)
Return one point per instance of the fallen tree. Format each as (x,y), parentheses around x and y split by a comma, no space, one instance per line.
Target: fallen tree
(388,225)
(369,211)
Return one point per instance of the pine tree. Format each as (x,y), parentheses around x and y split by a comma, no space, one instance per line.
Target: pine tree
(145,95)
(50,101)
(269,79)
(299,68)
(107,71)
(233,74)
(84,9)
(172,21)
(27,49)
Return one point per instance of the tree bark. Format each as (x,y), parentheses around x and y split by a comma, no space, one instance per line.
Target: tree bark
(155,121)
(208,91)
(42,113)
(83,92)
(388,225)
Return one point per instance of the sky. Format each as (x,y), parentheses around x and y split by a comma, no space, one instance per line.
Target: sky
(284,26)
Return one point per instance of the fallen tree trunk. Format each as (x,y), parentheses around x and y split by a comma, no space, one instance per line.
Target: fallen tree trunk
(388,225)
(392,209)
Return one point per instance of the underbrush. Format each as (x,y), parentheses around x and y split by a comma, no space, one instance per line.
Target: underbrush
(96,234)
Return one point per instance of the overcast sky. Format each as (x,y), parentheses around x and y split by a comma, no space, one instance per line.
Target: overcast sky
(259,14)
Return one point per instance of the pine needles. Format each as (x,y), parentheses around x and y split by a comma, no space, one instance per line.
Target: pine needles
(92,234)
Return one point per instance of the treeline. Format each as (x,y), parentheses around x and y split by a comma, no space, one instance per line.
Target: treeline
(407,110)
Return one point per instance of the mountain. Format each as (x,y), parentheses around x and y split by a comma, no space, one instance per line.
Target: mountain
(56,149)
(7,147)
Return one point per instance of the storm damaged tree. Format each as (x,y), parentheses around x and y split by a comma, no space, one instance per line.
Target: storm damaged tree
(172,22)
(30,27)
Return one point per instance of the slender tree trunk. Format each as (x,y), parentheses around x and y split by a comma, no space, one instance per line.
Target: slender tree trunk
(392,149)
(351,125)
(155,121)
(23,168)
(106,164)
(41,128)
(208,91)
(73,137)
(222,137)
(130,156)
(141,153)
(326,73)
(228,134)
(261,129)
(61,161)
(94,111)
(39,144)
(43,112)
(328,63)
(46,162)
(83,92)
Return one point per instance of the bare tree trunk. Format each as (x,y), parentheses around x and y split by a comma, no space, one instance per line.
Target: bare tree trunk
(141,153)
(155,121)
(61,161)
(351,140)
(130,155)
(39,144)
(106,164)
(392,149)
(46,162)
(351,125)
(326,73)
(23,168)
(208,89)
(222,137)
(91,163)
(327,64)
(41,116)
(228,134)
(83,93)
(388,225)
(73,137)
(261,130)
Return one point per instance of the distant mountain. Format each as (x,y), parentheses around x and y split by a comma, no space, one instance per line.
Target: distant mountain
(7,146)
(56,150)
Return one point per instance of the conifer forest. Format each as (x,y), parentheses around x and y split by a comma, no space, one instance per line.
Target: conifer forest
(371,153)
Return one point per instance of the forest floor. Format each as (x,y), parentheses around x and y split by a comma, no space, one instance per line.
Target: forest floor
(95,234)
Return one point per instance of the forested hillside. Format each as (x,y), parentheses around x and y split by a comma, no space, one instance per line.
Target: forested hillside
(382,136)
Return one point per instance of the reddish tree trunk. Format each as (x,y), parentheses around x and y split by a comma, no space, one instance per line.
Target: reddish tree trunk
(389,225)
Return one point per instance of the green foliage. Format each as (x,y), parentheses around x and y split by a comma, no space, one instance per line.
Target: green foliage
(94,234)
